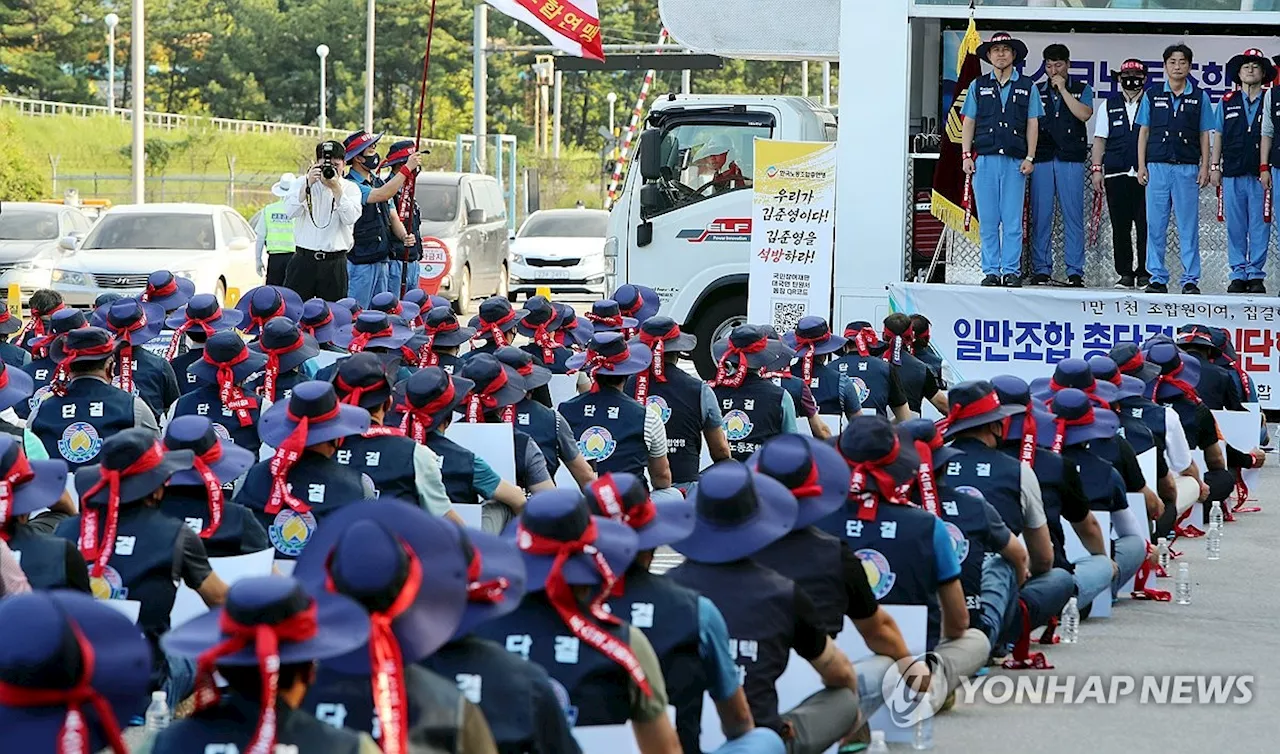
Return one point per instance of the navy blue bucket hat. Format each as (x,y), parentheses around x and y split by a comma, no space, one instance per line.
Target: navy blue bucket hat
(316,403)
(495,386)
(266,301)
(562,516)
(739,512)
(1179,373)
(1133,362)
(495,577)
(392,304)
(443,329)
(1075,420)
(637,301)
(202,313)
(606,316)
(813,471)
(973,404)
(362,379)
(749,345)
(1104,369)
(534,375)
(877,457)
(131,448)
(321,320)
(374,329)
(1074,373)
(225,460)
(1014,391)
(926,432)
(495,320)
(625,498)
(130,319)
(813,335)
(574,331)
(16,386)
(538,317)
(609,352)
(430,397)
(168,290)
(227,349)
(35,485)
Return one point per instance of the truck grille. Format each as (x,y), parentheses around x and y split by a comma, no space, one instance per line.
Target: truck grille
(570,262)
(120,280)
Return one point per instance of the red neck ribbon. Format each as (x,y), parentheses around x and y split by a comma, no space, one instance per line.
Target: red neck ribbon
(62,374)
(806,361)
(168,289)
(310,328)
(126,352)
(480,402)
(286,456)
(73,737)
(233,398)
(98,549)
(18,475)
(546,340)
(960,411)
(864,339)
(605,489)
(597,361)
(1244,376)
(212,487)
(561,596)
(1027,451)
(36,323)
(360,340)
(266,642)
(658,367)
(426,355)
(611,321)
(928,485)
(896,343)
(739,374)
(272,373)
(494,329)
(863,473)
(1172,378)
(1060,425)
(352,394)
(423,417)
(488,592)
(202,322)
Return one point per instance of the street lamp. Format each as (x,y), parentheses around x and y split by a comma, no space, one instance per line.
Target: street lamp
(613,99)
(138,61)
(111,20)
(323,52)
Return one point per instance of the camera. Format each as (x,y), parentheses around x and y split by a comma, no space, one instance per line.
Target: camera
(328,171)
(326,153)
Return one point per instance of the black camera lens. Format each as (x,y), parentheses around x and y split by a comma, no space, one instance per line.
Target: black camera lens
(328,171)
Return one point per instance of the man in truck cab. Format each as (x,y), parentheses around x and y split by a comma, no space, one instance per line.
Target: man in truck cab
(713,164)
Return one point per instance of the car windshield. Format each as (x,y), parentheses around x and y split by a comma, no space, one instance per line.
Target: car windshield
(152,231)
(566,225)
(438,203)
(28,225)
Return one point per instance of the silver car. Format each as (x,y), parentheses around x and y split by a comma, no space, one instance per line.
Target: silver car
(29,242)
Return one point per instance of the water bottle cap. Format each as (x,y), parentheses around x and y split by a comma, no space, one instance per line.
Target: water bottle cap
(157,696)
(877,736)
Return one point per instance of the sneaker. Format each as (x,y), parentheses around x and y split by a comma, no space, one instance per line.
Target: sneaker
(1257,286)
(991,281)
(1154,287)
(1125,281)
(1238,286)
(1039,279)
(1075,281)
(1191,289)
(1143,281)
(1012,281)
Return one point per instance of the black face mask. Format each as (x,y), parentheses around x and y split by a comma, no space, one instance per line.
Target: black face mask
(1131,84)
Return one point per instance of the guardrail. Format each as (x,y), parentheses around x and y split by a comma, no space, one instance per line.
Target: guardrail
(170,121)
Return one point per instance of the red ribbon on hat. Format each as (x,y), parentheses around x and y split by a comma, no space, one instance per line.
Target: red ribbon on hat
(864,339)
(606,492)
(310,329)
(168,289)
(928,485)
(806,361)
(486,592)
(895,343)
(567,325)
(426,355)
(266,642)
(874,470)
(1134,363)
(1027,451)
(740,374)
(614,320)
(810,487)
(658,366)
(91,547)
(212,487)
(351,394)
(36,323)
(1091,391)
(201,322)
(546,340)
(286,455)
(422,418)
(960,411)
(1172,378)
(73,736)
(596,361)
(232,397)
(126,351)
(19,474)
(493,330)
(561,596)
(271,374)
(1060,425)
(62,373)
(360,339)
(260,322)
(482,400)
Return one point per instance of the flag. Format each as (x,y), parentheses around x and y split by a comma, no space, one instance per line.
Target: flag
(572,26)
(948,178)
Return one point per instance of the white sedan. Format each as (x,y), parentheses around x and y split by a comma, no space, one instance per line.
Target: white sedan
(210,244)
(560,249)
(29,242)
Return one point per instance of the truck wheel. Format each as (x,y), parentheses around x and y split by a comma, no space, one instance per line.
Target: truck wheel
(714,323)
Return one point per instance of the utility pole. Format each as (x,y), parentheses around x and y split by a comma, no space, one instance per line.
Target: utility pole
(138,62)
(368,67)
(479,85)
(826,83)
(804,79)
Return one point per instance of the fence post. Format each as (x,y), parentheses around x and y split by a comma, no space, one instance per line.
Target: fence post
(53,163)
(231,184)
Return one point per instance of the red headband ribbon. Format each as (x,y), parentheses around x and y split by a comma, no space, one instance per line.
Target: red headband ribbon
(261,321)
(597,361)
(1060,425)
(360,340)
(486,592)
(201,322)
(426,355)
(95,549)
(658,366)
(168,289)
(739,374)
(1172,378)
(606,492)
(287,455)
(1027,451)
(62,373)
(864,339)
(494,329)
(310,327)
(352,394)
(481,401)
(36,323)
(896,343)
(861,473)
(960,411)
(423,417)
(126,351)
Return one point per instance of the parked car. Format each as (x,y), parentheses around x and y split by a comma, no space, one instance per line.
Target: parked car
(560,249)
(466,212)
(30,233)
(209,243)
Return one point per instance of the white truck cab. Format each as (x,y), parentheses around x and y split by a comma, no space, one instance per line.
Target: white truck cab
(682,221)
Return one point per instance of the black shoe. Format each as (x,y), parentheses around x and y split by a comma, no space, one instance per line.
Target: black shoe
(991,281)
(1238,286)
(1012,281)
(1125,281)
(1039,279)
(1191,289)
(1075,281)
(1156,288)
(1257,286)
(1143,281)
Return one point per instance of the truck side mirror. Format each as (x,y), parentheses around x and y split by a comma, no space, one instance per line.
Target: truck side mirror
(651,154)
(650,198)
(475,217)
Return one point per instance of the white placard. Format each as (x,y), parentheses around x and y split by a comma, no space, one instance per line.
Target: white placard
(128,608)
(1076,552)
(493,443)
(188,604)
(562,387)
(611,739)
(792,231)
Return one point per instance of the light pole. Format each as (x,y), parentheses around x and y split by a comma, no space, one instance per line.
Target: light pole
(613,100)
(323,52)
(368,68)
(112,20)
(138,61)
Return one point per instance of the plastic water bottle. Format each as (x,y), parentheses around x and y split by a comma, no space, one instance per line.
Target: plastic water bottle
(157,717)
(1070,624)
(922,736)
(1182,585)
(1162,547)
(878,746)
(1213,542)
(1215,515)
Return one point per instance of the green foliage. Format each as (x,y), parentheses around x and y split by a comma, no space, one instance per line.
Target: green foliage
(21,177)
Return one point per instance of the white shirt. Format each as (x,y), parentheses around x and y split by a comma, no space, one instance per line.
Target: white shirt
(1102,127)
(1033,516)
(326,225)
(1177,453)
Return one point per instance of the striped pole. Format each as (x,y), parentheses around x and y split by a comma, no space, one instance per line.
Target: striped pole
(632,129)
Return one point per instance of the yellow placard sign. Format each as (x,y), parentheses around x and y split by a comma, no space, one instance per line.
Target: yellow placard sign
(232,297)
(15,300)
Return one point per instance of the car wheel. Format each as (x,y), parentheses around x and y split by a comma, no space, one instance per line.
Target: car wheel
(464,292)
(712,324)
(220,292)
(504,283)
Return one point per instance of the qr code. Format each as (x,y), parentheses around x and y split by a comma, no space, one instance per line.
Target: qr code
(786,314)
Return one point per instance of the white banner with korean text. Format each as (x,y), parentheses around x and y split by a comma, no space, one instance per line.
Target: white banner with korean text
(984,332)
(792,232)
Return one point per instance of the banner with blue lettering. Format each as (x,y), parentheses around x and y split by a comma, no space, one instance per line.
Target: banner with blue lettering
(984,332)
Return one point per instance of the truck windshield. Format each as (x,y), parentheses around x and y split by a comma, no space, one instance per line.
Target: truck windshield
(711,159)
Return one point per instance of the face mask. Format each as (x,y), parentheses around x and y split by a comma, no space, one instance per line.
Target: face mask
(1131,83)
(371,161)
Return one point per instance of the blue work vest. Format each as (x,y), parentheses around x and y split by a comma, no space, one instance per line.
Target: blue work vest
(758,605)
(43,557)
(205,400)
(964,515)
(387,460)
(1001,127)
(1102,483)
(1062,135)
(1241,136)
(609,427)
(1138,412)
(41,371)
(812,559)
(667,613)
(679,402)
(1274,115)
(285,382)
(1174,137)
(599,689)
(539,423)
(153,379)
(228,726)
(73,426)
(14,356)
(871,377)
(752,414)
(824,383)
(457,467)
(992,473)
(434,707)
(501,685)
(320,482)
(559,357)
(186,380)
(238,534)
(1048,467)
(449,363)
(1121,154)
(372,231)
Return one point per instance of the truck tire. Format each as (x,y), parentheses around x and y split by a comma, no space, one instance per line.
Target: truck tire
(712,323)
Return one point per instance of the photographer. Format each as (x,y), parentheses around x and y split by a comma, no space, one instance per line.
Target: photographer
(379,223)
(327,207)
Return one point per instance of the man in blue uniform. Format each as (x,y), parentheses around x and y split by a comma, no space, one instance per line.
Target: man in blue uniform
(49,562)
(879,388)
(224,366)
(1114,169)
(1235,169)
(380,333)
(379,226)
(813,343)
(495,325)
(1060,153)
(1176,120)
(258,305)
(192,327)
(754,408)
(1001,132)
(404,264)
(265,643)
(444,336)
(546,426)
(42,366)
(138,370)
(539,321)
(44,304)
